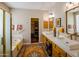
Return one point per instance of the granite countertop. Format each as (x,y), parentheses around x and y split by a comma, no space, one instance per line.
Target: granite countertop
(61,43)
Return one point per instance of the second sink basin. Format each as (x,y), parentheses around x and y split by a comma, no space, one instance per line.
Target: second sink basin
(72,44)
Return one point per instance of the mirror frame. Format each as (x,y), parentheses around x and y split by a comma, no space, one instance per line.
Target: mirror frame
(75,34)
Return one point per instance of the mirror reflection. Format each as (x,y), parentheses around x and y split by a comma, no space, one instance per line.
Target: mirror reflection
(73,21)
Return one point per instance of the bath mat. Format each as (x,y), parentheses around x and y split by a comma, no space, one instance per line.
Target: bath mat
(34,50)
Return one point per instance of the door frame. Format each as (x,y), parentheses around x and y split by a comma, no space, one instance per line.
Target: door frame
(4,35)
(38,29)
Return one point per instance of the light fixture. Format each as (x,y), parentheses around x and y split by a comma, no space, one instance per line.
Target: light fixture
(51,15)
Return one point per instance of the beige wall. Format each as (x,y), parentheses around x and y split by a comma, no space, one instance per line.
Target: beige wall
(20,16)
(59,12)
(23,17)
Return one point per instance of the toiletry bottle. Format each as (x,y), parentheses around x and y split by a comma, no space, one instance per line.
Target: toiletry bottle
(54,32)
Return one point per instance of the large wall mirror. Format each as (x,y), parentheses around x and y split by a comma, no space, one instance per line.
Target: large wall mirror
(72,21)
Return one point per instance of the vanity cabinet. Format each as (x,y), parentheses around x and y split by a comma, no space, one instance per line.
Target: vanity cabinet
(43,39)
(47,45)
(56,51)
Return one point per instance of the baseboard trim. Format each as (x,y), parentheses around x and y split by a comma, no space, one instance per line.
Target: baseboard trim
(33,43)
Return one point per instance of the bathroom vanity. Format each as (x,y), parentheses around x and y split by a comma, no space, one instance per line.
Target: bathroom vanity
(61,47)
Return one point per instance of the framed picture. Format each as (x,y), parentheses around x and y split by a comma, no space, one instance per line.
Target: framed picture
(45,24)
(58,22)
(51,22)
(19,27)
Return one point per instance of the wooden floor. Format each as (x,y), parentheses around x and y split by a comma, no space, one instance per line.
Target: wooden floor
(33,50)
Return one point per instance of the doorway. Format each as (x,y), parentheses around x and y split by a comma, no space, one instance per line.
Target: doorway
(34,30)
(1,32)
(5,34)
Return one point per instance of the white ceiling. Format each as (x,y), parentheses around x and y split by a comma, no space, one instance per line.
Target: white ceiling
(34,5)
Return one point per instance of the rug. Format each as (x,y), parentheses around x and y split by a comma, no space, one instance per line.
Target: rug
(34,50)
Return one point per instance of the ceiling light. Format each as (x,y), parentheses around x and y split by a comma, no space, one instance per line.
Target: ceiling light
(51,15)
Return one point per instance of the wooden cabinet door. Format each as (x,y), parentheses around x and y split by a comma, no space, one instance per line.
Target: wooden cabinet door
(42,39)
(58,52)
(61,52)
(54,52)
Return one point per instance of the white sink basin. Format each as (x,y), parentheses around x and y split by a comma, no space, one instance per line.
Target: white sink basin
(72,44)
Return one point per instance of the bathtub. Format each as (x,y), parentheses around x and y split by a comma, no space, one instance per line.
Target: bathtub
(17,43)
